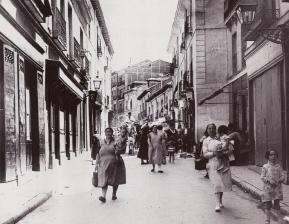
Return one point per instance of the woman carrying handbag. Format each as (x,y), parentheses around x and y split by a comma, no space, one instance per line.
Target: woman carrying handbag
(109,163)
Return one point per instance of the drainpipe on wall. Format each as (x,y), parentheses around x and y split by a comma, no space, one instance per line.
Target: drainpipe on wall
(285,49)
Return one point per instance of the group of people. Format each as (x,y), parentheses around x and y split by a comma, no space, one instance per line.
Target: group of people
(218,148)
(155,144)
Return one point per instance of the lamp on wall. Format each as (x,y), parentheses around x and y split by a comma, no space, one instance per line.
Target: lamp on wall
(96,83)
(246,13)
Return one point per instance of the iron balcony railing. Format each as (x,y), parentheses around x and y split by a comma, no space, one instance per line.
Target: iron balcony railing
(76,53)
(264,18)
(188,26)
(99,47)
(121,82)
(59,28)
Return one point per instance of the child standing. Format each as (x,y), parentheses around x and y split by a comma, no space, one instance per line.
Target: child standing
(272,177)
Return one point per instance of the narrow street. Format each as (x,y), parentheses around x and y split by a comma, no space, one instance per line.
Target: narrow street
(180,195)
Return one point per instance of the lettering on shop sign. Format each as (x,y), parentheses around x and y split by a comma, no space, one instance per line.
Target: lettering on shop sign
(21,65)
(9,56)
(40,78)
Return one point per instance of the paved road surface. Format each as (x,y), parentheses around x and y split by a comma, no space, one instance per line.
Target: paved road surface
(179,196)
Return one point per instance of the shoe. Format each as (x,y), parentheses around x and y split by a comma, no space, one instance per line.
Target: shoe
(152,170)
(206,176)
(160,171)
(222,206)
(102,199)
(114,197)
(217,209)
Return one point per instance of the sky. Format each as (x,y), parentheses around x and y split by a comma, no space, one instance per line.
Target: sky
(139,29)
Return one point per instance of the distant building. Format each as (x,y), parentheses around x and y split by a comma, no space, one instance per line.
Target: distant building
(198,44)
(127,84)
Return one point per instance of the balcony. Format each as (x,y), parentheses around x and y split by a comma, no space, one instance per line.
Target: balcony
(121,96)
(183,44)
(121,82)
(75,58)
(59,30)
(231,7)
(113,84)
(99,47)
(85,66)
(264,18)
(40,9)
(188,26)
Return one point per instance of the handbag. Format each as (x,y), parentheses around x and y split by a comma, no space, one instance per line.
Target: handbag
(200,163)
(94,179)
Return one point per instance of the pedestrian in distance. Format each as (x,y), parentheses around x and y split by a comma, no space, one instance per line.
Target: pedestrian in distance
(143,144)
(237,141)
(156,150)
(164,136)
(221,181)
(95,146)
(200,151)
(109,163)
(272,177)
(171,141)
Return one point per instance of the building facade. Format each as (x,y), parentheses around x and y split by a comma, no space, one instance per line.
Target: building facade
(198,43)
(51,58)
(268,92)
(129,82)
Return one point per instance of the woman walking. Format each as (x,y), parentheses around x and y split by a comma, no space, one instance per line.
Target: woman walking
(94,147)
(143,145)
(221,181)
(109,163)
(156,143)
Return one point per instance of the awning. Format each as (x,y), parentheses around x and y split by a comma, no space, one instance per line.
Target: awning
(56,71)
(160,91)
(142,94)
(220,90)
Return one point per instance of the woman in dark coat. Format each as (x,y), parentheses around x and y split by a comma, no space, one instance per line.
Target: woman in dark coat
(143,145)
(94,148)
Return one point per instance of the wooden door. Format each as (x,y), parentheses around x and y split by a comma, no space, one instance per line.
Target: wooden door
(267,114)
(22,114)
(62,135)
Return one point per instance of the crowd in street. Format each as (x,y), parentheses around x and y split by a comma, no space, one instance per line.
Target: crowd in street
(218,150)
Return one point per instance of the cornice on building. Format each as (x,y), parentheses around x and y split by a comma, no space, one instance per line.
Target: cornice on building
(100,17)
(178,23)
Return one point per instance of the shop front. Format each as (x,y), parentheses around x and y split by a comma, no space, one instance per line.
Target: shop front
(66,106)
(21,113)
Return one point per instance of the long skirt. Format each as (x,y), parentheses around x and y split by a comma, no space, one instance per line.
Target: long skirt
(112,172)
(222,182)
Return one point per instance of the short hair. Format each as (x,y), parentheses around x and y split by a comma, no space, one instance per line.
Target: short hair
(223,129)
(160,127)
(108,129)
(267,153)
(231,126)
